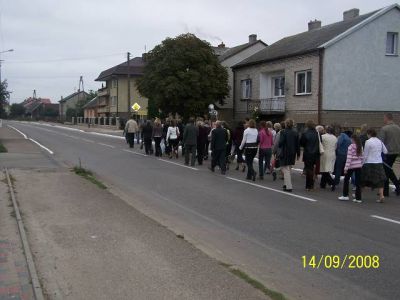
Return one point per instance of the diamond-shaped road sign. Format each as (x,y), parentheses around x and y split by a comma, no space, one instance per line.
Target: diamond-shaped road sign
(136,107)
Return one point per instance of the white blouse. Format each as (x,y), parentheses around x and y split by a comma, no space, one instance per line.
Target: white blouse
(373,151)
(172,133)
(249,136)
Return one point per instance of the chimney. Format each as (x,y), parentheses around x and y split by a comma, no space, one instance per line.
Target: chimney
(351,14)
(316,24)
(252,38)
(222,45)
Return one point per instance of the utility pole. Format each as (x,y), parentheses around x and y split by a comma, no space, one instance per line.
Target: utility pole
(0,70)
(128,57)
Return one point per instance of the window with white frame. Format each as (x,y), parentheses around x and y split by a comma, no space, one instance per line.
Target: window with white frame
(278,86)
(303,82)
(392,43)
(246,89)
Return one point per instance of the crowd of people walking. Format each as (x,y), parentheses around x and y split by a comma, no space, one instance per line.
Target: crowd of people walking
(364,157)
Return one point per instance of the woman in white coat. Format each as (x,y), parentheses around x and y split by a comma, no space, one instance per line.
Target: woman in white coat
(329,141)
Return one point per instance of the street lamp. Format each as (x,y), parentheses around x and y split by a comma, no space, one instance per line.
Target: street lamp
(9,50)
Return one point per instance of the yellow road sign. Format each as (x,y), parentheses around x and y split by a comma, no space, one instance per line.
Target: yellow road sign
(136,107)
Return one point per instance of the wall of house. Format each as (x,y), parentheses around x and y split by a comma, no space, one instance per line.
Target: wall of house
(300,108)
(358,76)
(122,94)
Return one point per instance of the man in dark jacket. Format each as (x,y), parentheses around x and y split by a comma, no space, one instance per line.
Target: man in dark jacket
(289,149)
(147,134)
(201,142)
(190,135)
(343,143)
(310,142)
(218,147)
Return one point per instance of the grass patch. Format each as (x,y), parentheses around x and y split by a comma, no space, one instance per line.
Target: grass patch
(2,148)
(254,283)
(88,175)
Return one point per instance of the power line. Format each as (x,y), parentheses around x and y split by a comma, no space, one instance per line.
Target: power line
(61,59)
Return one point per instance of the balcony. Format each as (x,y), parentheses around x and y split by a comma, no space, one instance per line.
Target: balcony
(103,92)
(269,106)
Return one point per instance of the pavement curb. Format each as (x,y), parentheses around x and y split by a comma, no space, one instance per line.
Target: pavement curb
(37,289)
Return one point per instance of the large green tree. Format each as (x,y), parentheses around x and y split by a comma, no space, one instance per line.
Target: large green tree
(182,75)
(4,97)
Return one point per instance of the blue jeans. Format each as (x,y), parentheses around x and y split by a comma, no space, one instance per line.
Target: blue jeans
(264,155)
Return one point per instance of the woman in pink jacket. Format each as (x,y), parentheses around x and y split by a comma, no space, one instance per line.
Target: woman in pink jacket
(265,137)
(354,164)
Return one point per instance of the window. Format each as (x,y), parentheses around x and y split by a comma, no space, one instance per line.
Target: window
(246,89)
(303,83)
(114,83)
(391,43)
(278,86)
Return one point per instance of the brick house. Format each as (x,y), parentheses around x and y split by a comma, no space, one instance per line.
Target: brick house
(347,72)
(113,98)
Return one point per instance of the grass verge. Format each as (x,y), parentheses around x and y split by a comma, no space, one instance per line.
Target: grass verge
(88,176)
(2,148)
(254,283)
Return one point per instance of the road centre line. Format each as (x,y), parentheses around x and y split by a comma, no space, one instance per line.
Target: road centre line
(386,219)
(133,152)
(23,134)
(180,165)
(106,145)
(87,140)
(273,190)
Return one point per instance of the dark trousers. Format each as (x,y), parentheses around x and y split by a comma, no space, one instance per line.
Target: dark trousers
(200,153)
(250,153)
(326,179)
(347,178)
(157,142)
(219,158)
(389,160)
(190,150)
(147,146)
(309,168)
(206,150)
(130,137)
(339,167)
(264,155)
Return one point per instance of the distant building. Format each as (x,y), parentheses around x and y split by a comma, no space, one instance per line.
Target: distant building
(347,72)
(71,102)
(113,98)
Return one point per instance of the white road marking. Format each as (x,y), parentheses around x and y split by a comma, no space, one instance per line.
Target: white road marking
(180,165)
(274,190)
(105,134)
(385,219)
(86,140)
(41,146)
(23,134)
(133,152)
(106,145)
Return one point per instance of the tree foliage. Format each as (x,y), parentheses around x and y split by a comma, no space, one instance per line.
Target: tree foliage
(4,97)
(17,110)
(182,75)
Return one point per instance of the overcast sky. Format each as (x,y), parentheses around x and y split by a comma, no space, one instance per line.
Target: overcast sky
(55,41)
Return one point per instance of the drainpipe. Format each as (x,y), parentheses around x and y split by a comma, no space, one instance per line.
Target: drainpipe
(320,84)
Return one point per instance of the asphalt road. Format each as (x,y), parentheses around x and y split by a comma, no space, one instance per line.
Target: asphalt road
(252,225)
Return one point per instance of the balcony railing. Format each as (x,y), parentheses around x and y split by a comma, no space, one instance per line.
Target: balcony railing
(267,106)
